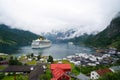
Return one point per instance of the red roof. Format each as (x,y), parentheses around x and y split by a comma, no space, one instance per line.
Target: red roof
(62,66)
(57,72)
(103,71)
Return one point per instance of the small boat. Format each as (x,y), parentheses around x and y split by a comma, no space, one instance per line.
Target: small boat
(40,43)
(71,43)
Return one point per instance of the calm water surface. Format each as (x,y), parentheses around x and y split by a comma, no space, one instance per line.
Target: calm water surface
(58,51)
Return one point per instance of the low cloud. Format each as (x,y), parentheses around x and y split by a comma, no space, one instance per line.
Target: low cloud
(47,15)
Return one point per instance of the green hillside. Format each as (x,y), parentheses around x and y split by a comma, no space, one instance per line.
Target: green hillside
(13,38)
(109,37)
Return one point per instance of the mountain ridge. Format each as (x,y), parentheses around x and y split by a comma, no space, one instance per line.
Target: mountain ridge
(71,34)
(12,38)
(109,37)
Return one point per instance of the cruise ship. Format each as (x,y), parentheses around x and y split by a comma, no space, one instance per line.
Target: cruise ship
(41,43)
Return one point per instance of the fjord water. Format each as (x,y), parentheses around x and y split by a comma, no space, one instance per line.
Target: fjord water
(58,51)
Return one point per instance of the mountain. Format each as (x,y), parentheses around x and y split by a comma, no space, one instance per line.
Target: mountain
(57,36)
(12,38)
(66,35)
(60,35)
(109,37)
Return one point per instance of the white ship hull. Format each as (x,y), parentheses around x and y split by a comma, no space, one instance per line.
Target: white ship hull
(41,44)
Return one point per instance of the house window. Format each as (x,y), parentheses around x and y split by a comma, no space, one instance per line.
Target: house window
(97,76)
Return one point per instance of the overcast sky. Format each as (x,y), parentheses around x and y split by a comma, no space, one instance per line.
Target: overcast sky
(47,15)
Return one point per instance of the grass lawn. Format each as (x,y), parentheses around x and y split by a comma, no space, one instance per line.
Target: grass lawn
(22,58)
(33,62)
(66,62)
(74,69)
(2,67)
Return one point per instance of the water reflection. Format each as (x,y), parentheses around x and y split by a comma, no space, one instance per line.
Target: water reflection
(56,50)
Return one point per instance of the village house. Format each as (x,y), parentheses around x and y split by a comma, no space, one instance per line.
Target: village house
(2,60)
(18,69)
(59,71)
(5,62)
(112,50)
(94,59)
(33,72)
(98,73)
(3,54)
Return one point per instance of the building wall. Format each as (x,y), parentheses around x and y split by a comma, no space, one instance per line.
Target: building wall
(94,75)
(112,69)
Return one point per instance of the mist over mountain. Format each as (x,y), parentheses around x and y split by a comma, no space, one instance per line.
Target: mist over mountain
(46,15)
(109,37)
(66,34)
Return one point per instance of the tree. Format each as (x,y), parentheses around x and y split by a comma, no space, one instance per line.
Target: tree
(1,59)
(13,61)
(38,57)
(32,55)
(21,77)
(28,56)
(50,59)
(45,77)
(1,76)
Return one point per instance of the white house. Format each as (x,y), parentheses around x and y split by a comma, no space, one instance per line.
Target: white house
(93,59)
(77,63)
(91,64)
(106,55)
(96,74)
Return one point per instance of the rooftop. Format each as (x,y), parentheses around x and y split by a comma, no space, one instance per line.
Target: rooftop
(18,69)
(103,71)
(62,66)
(34,74)
(83,77)
(57,72)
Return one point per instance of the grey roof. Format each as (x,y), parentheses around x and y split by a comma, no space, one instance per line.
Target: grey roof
(17,69)
(34,75)
(115,68)
(98,54)
(83,77)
